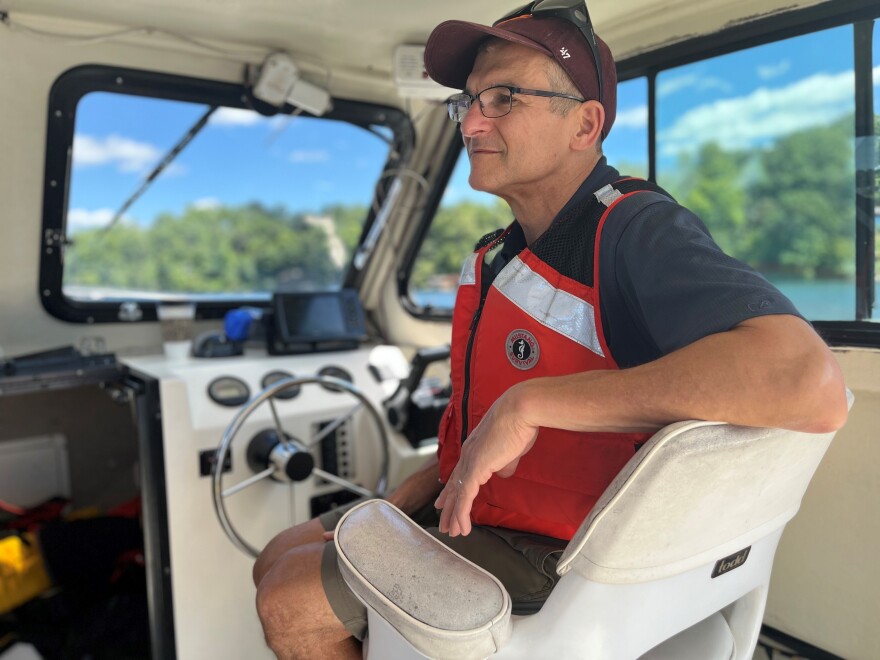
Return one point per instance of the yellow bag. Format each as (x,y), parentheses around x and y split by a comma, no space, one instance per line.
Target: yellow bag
(22,572)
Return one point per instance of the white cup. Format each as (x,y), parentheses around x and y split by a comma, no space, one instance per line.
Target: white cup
(178,328)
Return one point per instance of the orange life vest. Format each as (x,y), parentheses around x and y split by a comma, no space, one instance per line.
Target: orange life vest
(533,322)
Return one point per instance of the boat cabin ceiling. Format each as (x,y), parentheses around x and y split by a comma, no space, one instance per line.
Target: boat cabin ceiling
(134,134)
(359,37)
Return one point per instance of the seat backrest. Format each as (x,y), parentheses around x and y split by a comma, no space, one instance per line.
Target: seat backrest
(695,492)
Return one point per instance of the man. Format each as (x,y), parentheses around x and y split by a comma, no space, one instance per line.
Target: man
(603,313)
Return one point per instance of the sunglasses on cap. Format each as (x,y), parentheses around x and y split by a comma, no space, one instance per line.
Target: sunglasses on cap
(573,11)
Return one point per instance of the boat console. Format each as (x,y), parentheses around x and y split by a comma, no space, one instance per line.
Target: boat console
(184,406)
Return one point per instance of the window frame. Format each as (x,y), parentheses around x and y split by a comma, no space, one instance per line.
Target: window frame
(776,27)
(66,92)
(432,205)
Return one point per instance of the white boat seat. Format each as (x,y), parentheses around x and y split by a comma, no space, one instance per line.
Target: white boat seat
(454,609)
(710,638)
(673,561)
(444,605)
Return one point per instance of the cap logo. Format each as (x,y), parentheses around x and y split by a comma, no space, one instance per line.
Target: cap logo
(522,349)
(564,52)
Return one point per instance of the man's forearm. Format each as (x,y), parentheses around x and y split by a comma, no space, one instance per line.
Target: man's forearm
(771,371)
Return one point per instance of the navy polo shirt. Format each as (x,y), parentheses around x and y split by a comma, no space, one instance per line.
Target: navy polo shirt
(664,282)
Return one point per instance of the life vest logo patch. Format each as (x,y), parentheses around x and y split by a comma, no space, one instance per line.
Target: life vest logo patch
(522,349)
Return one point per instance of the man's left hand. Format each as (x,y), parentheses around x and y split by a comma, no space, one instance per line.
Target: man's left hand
(495,446)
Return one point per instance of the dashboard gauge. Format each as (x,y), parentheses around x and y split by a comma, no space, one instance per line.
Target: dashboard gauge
(335,372)
(273,377)
(229,391)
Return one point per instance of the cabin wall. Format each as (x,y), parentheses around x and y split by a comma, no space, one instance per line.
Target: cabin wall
(28,68)
(825,579)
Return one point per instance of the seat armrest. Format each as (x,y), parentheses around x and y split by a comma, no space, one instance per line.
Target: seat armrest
(441,603)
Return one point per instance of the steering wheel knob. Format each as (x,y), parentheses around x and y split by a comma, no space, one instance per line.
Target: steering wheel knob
(295,464)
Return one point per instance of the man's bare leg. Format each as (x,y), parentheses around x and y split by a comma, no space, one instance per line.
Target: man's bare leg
(303,534)
(297,619)
(293,608)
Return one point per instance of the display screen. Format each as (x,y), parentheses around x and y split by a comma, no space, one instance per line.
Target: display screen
(319,317)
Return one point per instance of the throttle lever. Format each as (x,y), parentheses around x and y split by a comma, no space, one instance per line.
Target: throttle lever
(397,405)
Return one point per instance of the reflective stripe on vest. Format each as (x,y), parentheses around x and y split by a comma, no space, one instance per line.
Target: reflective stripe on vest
(469,270)
(557,309)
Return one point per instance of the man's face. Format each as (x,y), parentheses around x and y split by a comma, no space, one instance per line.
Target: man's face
(512,155)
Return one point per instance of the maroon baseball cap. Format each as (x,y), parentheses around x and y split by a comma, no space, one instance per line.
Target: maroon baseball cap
(452,49)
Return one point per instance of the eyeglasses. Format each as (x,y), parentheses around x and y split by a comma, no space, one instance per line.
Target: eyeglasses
(495,101)
(573,11)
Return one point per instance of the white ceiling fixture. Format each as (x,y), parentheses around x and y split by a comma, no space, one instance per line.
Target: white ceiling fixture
(279,82)
(410,77)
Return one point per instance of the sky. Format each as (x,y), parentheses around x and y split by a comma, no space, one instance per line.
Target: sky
(746,99)
(743,100)
(301,163)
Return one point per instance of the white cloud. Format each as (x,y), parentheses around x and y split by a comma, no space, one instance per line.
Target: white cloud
(310,156)
(632,118)
(774,70)
(667,86)
(206,203)
(763,115)
(79,219)
(128,155)
(235,117)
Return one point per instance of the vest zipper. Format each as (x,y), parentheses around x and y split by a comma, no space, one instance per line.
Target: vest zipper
(495,239)
(465,395)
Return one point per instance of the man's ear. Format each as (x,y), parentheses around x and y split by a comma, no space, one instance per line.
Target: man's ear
(590,117)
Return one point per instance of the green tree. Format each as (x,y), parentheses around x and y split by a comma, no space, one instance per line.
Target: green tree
(217,250)
(877,159)
(119,258)
(453,234)
(801,208)
(717,196)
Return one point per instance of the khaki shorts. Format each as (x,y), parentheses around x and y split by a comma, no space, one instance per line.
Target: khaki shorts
(524,563)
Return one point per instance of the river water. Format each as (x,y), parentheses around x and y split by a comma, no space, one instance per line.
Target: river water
(817,300)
